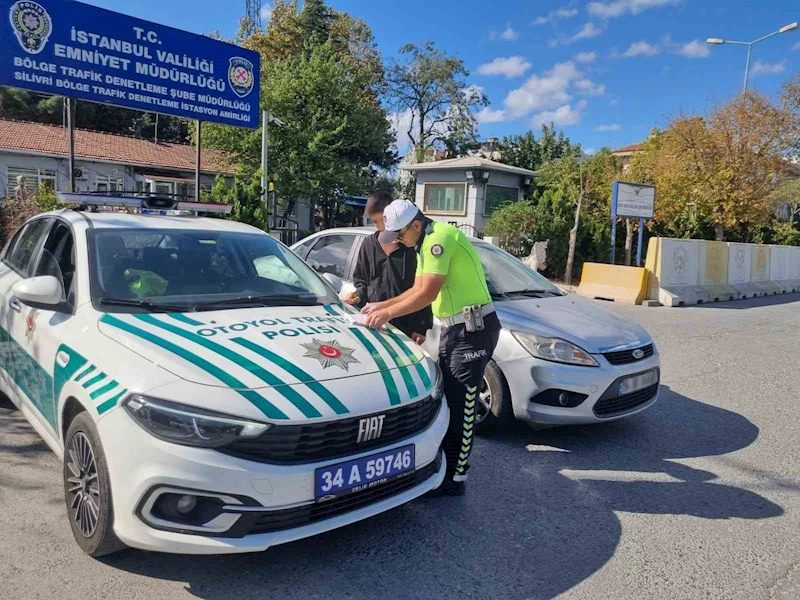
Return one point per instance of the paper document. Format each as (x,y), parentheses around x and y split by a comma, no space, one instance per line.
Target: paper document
(360,319)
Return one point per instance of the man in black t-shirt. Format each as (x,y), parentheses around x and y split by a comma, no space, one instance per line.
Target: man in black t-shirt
(384,271)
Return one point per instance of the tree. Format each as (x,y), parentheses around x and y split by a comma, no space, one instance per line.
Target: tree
(556,206)
(321,74)
(718,171)
(334,137)
(315,22)
(430,86)
(527,152)
(245,198)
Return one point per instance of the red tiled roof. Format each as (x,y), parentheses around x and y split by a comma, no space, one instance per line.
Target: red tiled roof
(95,145)
(629,148)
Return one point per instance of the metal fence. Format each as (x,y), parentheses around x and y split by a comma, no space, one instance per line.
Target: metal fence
(471,230)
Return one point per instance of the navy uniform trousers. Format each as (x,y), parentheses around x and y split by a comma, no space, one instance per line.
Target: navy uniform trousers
(463,357)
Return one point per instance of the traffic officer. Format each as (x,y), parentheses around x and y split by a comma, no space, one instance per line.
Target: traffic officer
(449,277)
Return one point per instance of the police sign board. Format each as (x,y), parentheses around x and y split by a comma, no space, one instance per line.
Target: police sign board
(73,49)
(633,200)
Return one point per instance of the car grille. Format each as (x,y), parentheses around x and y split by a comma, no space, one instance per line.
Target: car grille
(625,357)
(612,407)
(278,520)
(314,442)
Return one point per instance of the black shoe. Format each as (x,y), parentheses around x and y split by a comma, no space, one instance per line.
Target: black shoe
(448,488)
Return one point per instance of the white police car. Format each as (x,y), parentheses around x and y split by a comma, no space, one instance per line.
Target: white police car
(206,389)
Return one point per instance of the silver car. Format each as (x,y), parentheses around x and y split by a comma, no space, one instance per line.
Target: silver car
(560,360)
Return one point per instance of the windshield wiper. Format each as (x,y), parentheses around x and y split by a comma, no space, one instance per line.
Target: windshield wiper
(532,293)
(147,304)
(266,300)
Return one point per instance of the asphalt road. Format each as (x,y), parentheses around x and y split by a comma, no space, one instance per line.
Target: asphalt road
(698,497)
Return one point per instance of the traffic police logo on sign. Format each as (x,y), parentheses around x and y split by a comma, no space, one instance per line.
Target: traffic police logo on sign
(240,76)
(32,25)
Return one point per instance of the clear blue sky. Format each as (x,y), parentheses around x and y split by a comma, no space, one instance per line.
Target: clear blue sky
(605,71)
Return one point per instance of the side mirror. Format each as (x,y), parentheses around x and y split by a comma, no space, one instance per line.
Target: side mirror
(40,292)
(334,280)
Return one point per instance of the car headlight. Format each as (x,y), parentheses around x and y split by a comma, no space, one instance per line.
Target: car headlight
(437,391)
(554,349)
(187,425)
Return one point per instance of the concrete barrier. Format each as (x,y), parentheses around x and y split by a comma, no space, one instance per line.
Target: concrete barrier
(739,270)
(673,267)
(712,274)
(794,267)
(780,258)
(760,270)
(613,282)
(683,272)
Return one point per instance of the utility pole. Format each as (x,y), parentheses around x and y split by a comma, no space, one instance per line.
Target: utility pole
(266,118)
(265,164)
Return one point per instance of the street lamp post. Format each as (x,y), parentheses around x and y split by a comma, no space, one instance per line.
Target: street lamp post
(717,41)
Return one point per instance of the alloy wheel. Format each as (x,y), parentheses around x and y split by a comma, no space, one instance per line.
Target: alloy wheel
(484,407)
(82,485)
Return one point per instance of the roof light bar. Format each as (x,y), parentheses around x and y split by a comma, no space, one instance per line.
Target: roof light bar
(151,203)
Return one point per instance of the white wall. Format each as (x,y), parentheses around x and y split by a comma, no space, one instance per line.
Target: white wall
(475,194)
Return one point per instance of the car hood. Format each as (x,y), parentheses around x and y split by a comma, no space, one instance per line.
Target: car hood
(592,327)
(257,348)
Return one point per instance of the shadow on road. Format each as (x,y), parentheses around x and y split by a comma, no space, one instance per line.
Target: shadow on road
(538,519)
(761,301)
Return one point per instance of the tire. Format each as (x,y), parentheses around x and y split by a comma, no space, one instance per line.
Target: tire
(87,489)
(501,412)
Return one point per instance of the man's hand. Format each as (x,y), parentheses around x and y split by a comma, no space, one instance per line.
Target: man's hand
(418,338)
(370,307)
(352,298)
(378,318)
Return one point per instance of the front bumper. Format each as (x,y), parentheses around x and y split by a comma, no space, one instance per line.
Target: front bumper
(138,464)
(527,377)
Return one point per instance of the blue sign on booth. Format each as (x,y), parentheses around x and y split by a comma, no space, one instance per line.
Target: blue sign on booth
(73,49)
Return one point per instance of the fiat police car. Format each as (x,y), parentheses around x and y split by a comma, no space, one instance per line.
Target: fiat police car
(206,389)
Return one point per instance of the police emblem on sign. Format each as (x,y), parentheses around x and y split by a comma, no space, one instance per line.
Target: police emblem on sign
(32,25)
(240,76)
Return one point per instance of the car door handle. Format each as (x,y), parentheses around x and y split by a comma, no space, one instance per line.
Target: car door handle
(62,358)
(15,304)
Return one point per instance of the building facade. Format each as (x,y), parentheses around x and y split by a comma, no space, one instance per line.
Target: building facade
(466,191)
(34,154)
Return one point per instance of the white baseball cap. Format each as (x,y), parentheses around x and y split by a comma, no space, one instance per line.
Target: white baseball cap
(396,216)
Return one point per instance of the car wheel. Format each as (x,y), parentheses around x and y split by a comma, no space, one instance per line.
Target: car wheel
(87,489)
(493,410)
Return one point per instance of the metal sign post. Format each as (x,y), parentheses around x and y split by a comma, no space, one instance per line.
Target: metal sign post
(70,144)
(639,242)
(197,165)
(635,200)
(614,193)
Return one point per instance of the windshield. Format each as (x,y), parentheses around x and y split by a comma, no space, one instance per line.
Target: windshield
(505,274)
(183,270)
